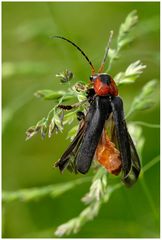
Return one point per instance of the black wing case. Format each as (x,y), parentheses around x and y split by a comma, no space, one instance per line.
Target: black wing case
(73,148)
(71,151)
(130,160)
(99,111)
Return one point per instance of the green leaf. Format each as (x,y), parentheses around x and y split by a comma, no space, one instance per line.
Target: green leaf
(133,71)
(39,127)
(124,37)
(130,21)
(52,126)
(48,94)
(124,42)
(58,121)
(146,99)
(69,117)
(72,132)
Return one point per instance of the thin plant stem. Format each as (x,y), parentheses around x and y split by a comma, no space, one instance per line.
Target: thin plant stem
(145,124)
(32,194)
(144,185)
(150,164)
(128,114)
(150,199)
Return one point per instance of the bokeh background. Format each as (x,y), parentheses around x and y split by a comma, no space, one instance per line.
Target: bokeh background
(30,61)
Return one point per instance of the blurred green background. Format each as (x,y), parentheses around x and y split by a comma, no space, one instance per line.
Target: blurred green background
(30,61)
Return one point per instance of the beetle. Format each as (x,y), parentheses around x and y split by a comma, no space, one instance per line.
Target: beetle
(114,150)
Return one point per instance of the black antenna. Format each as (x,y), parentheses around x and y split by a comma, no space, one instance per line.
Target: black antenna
(80,50)
(106,52)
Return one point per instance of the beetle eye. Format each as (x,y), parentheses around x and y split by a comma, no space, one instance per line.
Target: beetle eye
(91,78)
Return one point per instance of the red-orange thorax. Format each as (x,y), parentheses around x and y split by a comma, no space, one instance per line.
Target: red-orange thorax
(102,89)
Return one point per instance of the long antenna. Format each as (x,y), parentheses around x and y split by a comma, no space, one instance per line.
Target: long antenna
(80,50)
(106,52)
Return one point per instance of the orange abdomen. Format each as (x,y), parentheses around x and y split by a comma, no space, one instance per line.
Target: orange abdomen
(107,155)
